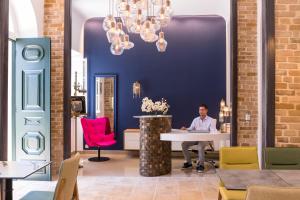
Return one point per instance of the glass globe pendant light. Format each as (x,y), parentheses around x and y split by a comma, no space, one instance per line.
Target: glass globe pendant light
(108,19)
(116,47)
(148,32)
(107,22)
(136,27)
(126,14)
(161,43)
(126,43)
(131,15)
(112,32)
(121,5)
(139,15)
(126,17)
(137,22)
(119,30)
(155,24)
(168,8)
(135,5)
(115,32)
(163,17)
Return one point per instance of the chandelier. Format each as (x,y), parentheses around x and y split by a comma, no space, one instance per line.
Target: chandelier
(143,17)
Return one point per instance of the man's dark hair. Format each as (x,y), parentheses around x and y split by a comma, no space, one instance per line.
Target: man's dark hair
(203,105)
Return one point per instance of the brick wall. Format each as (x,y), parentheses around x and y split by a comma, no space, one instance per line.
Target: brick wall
(287,34)
(247,71)
(54,28)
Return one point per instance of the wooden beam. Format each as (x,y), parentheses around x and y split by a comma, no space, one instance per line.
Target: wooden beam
(233,71)
(67,79)
(268,73)
(4,14)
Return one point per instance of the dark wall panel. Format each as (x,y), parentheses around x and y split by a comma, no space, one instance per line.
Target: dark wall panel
(4,7)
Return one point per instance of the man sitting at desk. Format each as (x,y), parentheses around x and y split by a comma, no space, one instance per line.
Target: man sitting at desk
(202,123)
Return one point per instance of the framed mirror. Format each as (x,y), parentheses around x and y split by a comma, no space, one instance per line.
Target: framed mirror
(105,98)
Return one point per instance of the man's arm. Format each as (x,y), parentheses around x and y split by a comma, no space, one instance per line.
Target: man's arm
(192,126)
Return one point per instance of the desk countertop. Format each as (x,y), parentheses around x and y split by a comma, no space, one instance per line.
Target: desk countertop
(219,139)
(186,136)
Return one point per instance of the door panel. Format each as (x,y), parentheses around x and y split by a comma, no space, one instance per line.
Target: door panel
(32,89)
(32,102)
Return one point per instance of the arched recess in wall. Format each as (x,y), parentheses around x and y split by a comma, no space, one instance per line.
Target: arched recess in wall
(23,19)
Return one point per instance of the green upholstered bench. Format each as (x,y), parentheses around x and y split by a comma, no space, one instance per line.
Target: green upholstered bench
(282,158)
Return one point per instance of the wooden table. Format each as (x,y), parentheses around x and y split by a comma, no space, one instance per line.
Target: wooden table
(10,170)
(241,179)
(292,177)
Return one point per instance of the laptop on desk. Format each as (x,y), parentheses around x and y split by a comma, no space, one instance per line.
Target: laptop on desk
(198,131)
(189,131)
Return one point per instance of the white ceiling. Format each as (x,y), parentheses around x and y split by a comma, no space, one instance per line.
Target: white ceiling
(99,8)
(86,9)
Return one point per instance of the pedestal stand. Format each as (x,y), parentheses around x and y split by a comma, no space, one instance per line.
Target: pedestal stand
(155,155)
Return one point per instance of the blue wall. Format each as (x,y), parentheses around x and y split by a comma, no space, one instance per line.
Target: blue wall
(190,72)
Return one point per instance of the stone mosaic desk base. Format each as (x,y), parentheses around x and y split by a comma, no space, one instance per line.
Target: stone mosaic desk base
(155,155)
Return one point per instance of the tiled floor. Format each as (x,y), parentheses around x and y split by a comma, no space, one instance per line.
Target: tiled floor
(119,179)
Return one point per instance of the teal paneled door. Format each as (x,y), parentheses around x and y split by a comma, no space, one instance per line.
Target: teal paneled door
(31,113)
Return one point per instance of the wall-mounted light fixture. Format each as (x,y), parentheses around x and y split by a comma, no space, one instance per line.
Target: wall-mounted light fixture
(136,89)
(225,117)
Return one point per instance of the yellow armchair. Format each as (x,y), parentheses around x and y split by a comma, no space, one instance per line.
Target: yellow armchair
(239,158)
(225,194)
(236,158)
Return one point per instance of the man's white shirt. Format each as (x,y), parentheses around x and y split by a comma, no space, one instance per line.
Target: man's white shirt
(207,124)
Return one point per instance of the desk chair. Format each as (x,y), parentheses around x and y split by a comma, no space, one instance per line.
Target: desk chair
(211,156)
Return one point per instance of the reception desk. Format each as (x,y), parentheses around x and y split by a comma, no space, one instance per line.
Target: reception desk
(219,139)
(132,139)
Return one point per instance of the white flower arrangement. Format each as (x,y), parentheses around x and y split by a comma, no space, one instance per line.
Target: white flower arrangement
(149,106)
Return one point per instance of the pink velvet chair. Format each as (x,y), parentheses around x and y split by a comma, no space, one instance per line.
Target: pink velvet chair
(97,133)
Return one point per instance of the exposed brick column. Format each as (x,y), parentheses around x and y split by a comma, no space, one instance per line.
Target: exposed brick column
(247,71)
(54,28)
(287,35)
